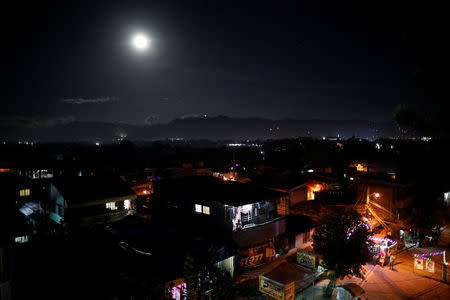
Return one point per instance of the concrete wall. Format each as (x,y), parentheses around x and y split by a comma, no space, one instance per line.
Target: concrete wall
(298,194)
(57,200)
(300,244)
(259,234)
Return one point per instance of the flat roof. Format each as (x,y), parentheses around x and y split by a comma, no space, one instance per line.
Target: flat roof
(280,182)
(208,188)
(78,189)
(287,272)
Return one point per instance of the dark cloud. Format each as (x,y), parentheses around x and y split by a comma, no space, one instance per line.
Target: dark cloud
(89,101)
(20,121)
(187,116)
(151,120)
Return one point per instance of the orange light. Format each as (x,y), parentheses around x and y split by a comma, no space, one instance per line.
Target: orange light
(317,186)
(5,170)
(360,167)
(377,195)
(142,192)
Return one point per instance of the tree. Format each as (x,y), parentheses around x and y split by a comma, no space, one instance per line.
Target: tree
(405,116)
(434,123)
(206,281)
(343,241)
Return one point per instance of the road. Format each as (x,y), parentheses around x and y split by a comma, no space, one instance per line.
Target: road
(401,282)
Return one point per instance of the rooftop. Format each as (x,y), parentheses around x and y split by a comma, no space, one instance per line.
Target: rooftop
(286,273)
(211,188)
(78,189)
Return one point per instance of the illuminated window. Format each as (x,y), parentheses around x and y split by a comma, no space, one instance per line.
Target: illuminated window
(111,205)
(24,192)
(202,209)
(21,239)
(447,197)
(127,204)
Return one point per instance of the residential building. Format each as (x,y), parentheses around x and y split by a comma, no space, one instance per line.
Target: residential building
(248,212)
(89,200)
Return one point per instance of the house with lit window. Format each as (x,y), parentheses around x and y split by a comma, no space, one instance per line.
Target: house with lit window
(88,200)
(19,193)
(297,189)
(15,226)
(249,212)
(18,187)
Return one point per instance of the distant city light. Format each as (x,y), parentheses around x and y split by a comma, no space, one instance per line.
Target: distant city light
(97,144)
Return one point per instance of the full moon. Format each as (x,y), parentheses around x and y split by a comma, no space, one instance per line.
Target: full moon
(140,42)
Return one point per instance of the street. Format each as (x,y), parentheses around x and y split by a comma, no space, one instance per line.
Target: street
(399,283)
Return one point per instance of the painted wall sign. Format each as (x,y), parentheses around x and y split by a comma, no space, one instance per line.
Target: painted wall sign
(289,291)
(418,264)
(256,256)
(306,259)
(271,287)
(429,266)
(276,290)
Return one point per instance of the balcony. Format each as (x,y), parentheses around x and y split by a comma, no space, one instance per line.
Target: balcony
(259,233)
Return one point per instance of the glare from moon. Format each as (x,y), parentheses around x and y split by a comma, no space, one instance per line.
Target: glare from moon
(140,42)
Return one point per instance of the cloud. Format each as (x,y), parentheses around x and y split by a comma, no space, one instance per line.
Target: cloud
(89,101)
(188,116)
(20,121)
(151,120)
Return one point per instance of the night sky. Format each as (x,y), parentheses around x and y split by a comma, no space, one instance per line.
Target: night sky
(72,60)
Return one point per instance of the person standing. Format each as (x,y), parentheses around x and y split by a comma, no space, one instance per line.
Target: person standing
(391,262)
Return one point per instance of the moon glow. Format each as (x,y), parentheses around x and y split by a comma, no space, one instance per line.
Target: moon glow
(140,42)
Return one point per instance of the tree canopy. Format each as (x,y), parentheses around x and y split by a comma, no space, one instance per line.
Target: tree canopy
(205,280)
(434,123)
(343,241)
